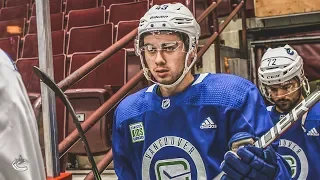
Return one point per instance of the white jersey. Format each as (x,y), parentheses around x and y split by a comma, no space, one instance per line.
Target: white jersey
(20,154)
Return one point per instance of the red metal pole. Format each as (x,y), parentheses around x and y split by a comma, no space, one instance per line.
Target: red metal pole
(229,18)
(102,165)
(217,41)
(244,32)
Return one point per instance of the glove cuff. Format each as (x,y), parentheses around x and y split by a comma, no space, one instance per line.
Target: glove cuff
(240,136)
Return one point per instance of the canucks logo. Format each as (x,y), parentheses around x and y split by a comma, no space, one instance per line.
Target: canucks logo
(20,164)
(292,163)
(188,165)
(177,168)
(289,51)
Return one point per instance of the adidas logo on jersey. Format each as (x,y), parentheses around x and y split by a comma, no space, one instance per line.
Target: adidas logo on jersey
(208,124)
(313,132)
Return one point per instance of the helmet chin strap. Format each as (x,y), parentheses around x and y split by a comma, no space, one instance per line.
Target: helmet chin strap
(185,71)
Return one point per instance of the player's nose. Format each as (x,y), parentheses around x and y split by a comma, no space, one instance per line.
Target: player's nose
(159,58)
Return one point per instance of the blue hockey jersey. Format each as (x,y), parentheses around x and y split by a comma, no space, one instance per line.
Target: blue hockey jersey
(185,136)
(300,145)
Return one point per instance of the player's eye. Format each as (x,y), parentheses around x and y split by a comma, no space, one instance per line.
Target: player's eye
(272,89)
(170,46)
(287,87)
(149,48)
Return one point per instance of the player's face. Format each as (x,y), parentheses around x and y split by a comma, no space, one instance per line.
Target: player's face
(285,95)
(165,56)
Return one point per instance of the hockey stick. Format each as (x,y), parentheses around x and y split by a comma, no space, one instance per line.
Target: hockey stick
(285,123)
(53,86)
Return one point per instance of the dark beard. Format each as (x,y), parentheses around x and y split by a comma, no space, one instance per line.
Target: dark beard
(286,105)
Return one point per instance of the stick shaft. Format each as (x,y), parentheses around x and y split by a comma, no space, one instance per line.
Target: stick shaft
(53,86)
(287,121)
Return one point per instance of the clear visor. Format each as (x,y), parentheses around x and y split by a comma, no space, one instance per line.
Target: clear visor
(281,90)
(166,48)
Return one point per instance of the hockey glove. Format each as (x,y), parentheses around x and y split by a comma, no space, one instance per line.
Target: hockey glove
(240,139)
(250,163)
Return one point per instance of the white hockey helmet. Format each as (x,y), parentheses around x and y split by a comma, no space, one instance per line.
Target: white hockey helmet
(279,65)
(170,18)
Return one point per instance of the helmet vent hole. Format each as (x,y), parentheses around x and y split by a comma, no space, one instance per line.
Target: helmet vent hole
(182,21)
(271,68)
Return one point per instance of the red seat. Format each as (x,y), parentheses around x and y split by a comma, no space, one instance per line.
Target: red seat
(11,46)
(55,7)
(1,3)
(10,3)
(125,27)
(159,2)
(80,4)
(224,8)
(127,11)
(107,3)
(105,74)
(57,23)
(12,28)
(30,44)
(85,102)
(86,17)
(31,81)
(90,94)
(90,38)
(15,12)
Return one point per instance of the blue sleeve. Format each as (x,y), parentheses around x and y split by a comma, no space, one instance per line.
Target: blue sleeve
(284,172)
(122,165)
(253,117)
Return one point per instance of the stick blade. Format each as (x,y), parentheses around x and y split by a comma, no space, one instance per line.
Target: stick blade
(46,79)
(51,84)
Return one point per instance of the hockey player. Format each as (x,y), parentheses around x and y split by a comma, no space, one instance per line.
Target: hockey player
(20,154)
(180,127)
(282,82)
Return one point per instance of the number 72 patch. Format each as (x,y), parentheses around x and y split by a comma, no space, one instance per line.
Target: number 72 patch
(137,132)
